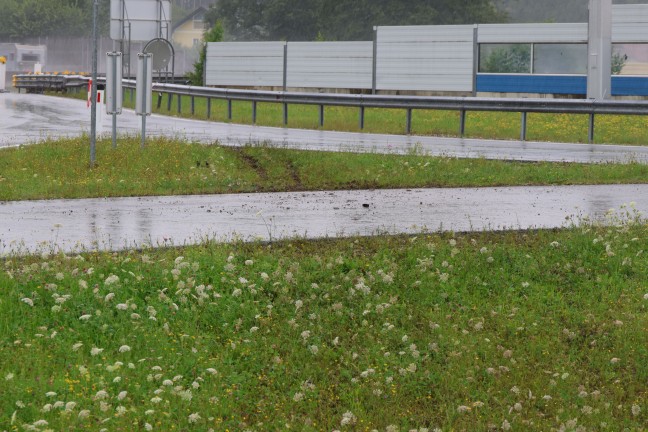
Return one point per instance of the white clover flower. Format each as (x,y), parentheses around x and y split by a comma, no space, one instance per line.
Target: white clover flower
(122,306)
(46,408)
(636,410)
(83,284)
(313,349)
(149,412)
(298,397)
(9,376)
(254,329)
(112,279)
(148,426)
(117,379)
(28,302)
(135,316)
(212,371)
(84,414)
(124,348)
(70,406)
(194,418)
(615,360)
(85,317)
(122,395)
(249,262)
(76,346)
(462,409)
(39,423)
(58,404)
(50,394)
(167,382)
(348,418)
(156,400)
(506,426)
(109,297)
(305,334)
(101,394)
(237,292)
(96,351)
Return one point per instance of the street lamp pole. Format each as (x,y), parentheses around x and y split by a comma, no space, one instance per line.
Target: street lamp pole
(93,90)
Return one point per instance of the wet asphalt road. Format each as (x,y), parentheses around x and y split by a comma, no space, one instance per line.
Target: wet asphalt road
(113,224)
(29,118)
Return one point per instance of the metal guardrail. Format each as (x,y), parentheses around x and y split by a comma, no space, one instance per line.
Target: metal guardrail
(408,103)
(38,83)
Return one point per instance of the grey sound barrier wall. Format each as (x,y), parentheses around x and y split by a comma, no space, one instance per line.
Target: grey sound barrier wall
(425,58)
(345,65)
(245,64)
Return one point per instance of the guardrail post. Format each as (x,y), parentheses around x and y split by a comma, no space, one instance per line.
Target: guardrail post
(462,123)
(179,104)
(523,127)
(229,109)
(321,115)
(590,134)
(409,121)
(362,118)
(208,107)
(159,101)
(169,101)
(193,105)
(254,112)
(285,114)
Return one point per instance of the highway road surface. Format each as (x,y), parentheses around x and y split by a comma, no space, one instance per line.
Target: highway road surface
(29,118)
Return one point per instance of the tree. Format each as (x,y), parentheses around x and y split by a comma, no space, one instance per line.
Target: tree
(341,19)
(215,34)
(33,18)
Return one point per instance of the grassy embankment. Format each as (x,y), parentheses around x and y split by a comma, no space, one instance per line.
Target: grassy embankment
(59,169)
(628,130)
(522,331)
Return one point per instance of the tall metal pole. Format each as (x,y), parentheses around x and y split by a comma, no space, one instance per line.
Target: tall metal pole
(93,90)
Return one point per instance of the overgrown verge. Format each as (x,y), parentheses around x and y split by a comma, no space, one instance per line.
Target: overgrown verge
(493,331)
(59,169)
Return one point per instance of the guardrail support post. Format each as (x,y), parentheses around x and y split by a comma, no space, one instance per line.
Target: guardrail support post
(462,123)
(179,104)
(159,101)
(362,117)
(208,107)
(590,134)
(254,112)
(409,121)
(523,128)
(229,109)
(321,116)
(193,105)
(169,101)
(285,114)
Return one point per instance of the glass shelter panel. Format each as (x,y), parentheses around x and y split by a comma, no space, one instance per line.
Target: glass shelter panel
(560,59)
(505,58)
(630,59)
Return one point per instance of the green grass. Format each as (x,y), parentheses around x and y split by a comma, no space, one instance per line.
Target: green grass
(539,330)
(629,130)
(59,169)
(572,128)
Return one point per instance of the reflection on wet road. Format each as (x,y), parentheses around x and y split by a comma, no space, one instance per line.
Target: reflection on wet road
(135,222)
(28,118)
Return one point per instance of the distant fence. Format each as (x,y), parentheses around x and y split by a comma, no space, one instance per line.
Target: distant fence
(536,58)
